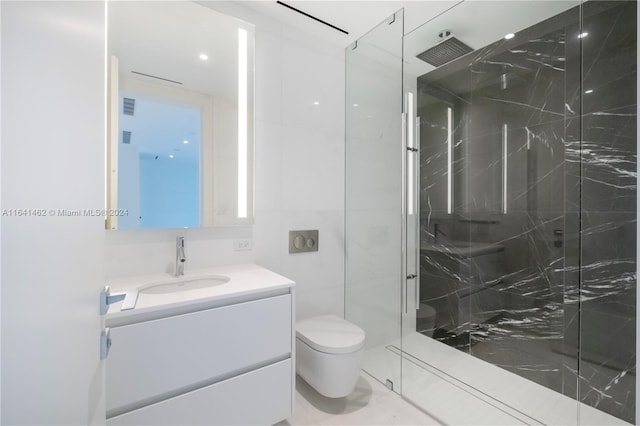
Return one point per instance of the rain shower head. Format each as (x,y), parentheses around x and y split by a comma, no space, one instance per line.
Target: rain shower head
(448,49)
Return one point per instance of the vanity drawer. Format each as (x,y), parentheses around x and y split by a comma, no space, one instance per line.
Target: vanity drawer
(260,397)
(153,360)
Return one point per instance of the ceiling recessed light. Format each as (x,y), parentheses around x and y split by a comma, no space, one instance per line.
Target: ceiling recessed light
(185,141)
(316,103)
(171,156)
(509,36)
(583,35)
(588,91)
(204,56)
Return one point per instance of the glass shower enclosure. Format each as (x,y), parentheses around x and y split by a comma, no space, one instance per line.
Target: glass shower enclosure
(491,209)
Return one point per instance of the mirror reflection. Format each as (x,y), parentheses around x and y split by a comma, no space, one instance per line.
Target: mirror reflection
(180,116)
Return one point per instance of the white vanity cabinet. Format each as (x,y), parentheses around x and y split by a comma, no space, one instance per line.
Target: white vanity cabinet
(228,364)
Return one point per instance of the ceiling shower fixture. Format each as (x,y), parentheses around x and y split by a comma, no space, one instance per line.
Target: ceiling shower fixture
(446,50)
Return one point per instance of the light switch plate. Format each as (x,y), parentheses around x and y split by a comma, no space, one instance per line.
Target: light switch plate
(303,241)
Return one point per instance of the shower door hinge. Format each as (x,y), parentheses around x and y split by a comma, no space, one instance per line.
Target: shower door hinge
(413,149)
(412,276)
(391,19)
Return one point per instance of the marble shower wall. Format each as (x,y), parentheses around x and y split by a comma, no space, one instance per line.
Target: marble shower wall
(557,305)
(608,235)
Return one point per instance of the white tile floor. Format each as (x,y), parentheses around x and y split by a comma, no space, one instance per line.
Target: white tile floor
(370,404)
(445,399)
(497,392)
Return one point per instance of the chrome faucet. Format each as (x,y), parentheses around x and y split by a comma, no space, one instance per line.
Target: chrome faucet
(180,257)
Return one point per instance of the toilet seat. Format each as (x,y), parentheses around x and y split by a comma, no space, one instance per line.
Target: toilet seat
(330,334)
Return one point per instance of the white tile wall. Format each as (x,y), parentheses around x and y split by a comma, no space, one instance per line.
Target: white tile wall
(52,158)
(299,174)
(300,163)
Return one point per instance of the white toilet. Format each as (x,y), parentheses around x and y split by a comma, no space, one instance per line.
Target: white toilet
(329,354)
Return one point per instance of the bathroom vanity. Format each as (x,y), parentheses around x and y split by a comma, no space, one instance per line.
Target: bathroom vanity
(219,353)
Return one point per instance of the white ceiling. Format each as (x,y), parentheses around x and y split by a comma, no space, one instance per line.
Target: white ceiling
(356,17)
(477,23)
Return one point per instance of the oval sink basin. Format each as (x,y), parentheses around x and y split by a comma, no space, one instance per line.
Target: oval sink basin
(184,284)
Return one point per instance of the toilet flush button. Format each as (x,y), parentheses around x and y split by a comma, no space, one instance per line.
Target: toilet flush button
(299,242)
(303,241)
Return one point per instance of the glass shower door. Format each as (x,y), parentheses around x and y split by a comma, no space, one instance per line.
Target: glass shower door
(373,247)
(491,210)
(496,223)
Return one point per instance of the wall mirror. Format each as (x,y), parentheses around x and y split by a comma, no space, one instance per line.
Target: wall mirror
(180,116)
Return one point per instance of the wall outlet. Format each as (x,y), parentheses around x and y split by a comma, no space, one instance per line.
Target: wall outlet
(244,244)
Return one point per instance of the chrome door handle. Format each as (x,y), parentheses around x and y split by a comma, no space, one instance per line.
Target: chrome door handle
(403,221)
(129,299)
(417,207)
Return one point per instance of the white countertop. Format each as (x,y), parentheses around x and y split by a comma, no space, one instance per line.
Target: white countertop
(244,281)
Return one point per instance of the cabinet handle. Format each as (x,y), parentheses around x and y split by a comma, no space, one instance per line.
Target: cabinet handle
(105,343)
